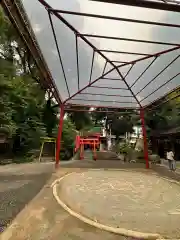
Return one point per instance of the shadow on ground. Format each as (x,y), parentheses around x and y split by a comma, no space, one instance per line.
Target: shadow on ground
(18,185)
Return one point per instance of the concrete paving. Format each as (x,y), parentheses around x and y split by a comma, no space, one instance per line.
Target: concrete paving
(43,218)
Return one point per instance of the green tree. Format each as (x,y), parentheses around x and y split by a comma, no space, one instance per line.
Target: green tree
(27,101)
(119,126)
(68,139)
(50,117)
(163,117)
(80,119)
(21,98)
(99,115)
(23,106)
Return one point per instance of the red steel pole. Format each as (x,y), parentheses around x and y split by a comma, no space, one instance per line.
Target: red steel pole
(144,138)
(94,155)
(82,150)
(58,148)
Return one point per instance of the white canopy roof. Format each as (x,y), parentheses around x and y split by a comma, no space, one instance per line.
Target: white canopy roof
(127,61)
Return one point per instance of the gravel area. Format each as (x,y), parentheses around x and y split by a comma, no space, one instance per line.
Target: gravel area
(44,219)
(135,200)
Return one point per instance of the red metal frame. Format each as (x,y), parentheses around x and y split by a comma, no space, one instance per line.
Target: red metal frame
(58,143)
(169,6)
(156,55)
(99,106)
(128,39)
(144,138)
(100,111)
(83,14)
(58,51)
(110,101)
(123,52)
(103,94)
(77,60)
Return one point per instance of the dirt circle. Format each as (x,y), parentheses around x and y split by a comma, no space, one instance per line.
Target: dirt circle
(127,199)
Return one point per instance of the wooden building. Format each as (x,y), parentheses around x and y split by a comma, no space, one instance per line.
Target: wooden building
(162,141)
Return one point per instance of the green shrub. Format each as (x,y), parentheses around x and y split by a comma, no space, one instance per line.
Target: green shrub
(123,148)
(27,158)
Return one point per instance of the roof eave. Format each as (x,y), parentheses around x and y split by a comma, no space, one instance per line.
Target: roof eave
(145,4)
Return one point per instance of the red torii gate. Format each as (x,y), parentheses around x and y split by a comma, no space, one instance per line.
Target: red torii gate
(94,142)
(81,141)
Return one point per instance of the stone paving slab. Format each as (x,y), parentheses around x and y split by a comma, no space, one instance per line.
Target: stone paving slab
(135,200)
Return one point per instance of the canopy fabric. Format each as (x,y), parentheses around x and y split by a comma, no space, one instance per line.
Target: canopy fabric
(108,55)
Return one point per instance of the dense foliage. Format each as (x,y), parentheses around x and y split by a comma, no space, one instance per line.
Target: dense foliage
(27,113)
(81,119)
(166,114)
(120,122)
